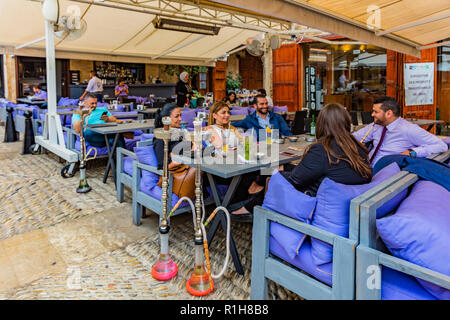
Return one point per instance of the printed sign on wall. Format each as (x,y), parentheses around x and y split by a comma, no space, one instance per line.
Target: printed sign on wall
(419,83)
(310,77)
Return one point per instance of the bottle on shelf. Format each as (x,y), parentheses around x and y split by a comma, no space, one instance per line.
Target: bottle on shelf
(312,127)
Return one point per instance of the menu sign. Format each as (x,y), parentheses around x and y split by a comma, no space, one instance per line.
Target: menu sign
(310,77)
(419,83)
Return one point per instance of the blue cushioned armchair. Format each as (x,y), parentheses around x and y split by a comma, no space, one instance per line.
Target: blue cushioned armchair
(380,275)
(309,282)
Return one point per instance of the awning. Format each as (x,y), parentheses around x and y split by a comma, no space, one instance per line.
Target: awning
(401,25)
(121,28)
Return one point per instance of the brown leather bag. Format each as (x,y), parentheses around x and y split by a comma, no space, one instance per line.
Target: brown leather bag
(183,181)
(128,135)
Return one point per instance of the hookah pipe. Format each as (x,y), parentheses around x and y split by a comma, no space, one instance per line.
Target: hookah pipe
(83,186)
(201,281)
(164,269)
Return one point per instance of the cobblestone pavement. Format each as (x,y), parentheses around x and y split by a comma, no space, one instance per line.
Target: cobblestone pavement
(34,197)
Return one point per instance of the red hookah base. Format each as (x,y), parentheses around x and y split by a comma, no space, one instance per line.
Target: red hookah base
(168,273)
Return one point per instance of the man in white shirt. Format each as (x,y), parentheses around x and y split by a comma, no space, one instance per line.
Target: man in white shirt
(269,99)
(95,86)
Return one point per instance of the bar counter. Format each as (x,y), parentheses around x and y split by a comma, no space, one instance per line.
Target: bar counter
(165,90)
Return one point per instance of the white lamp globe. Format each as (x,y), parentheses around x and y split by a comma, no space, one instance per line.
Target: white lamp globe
(50,10)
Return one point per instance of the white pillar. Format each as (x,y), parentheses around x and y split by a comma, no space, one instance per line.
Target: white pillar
(51,67)
(267,68)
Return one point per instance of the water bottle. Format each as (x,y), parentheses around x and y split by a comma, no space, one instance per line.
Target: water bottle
(312,130)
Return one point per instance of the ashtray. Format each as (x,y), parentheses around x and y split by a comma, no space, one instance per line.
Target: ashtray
(293,139)
(310,139)
(279,141)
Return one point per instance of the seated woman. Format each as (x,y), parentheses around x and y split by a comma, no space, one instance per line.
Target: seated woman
(336,155)
(121,90)
(223,133)
(173,111)
(231,99)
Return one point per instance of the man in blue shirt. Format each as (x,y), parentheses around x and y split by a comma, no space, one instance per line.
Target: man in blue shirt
(262,118)
(95,116)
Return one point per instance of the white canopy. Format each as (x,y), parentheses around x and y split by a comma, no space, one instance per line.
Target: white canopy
(117,31)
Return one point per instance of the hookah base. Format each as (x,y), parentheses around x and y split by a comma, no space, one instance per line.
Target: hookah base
(84,189)
(199,284)
(164,270)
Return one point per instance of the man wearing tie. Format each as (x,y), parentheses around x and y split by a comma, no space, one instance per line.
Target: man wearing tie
(391,134)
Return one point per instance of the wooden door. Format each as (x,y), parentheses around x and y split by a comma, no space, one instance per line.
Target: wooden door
(251,71)
(219,80)
(287,77)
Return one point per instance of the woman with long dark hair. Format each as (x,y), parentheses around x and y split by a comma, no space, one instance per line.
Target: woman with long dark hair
(173,111)
(336,155)
(231,99)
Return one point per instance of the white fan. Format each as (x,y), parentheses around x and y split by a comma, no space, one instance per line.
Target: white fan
(69,28)
(66,27)
(254,47)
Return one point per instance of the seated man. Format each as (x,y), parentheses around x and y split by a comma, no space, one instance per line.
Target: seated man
(95,116)
(262,118)
(391,134)
(39,93)
(269,99)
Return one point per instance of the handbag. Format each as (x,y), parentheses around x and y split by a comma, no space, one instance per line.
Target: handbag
(183,181)
(128,135)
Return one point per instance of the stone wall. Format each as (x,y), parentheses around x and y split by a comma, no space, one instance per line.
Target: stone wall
(10,77)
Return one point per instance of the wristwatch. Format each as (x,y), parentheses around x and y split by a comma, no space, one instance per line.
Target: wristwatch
(412,153)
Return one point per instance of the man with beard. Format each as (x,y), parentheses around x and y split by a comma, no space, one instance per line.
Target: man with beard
(263,119)
(391,134)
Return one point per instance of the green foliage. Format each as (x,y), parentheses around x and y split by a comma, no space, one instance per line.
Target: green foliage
(172,70)
(233,83)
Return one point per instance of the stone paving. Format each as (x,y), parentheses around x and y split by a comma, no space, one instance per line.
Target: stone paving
(57,244)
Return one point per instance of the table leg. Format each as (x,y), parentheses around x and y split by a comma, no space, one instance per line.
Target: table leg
(221,219)
(111,163)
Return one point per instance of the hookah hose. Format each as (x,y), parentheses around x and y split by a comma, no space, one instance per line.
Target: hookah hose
(205,241)
(84,145)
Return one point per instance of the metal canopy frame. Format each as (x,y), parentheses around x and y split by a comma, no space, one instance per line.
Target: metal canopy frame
(198,11)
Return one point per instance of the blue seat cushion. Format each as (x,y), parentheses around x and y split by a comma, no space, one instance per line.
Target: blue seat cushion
(332,212)
(419,231)
(303,260)
(156,192)
(128,165)
(396,285)
(282,197)
(146,155)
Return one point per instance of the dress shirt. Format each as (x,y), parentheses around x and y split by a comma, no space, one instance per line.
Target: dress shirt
(95,85)
(401,135)
(263,123)
(41,95)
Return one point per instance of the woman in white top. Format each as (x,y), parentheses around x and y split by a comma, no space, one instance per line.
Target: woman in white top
(222,132)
